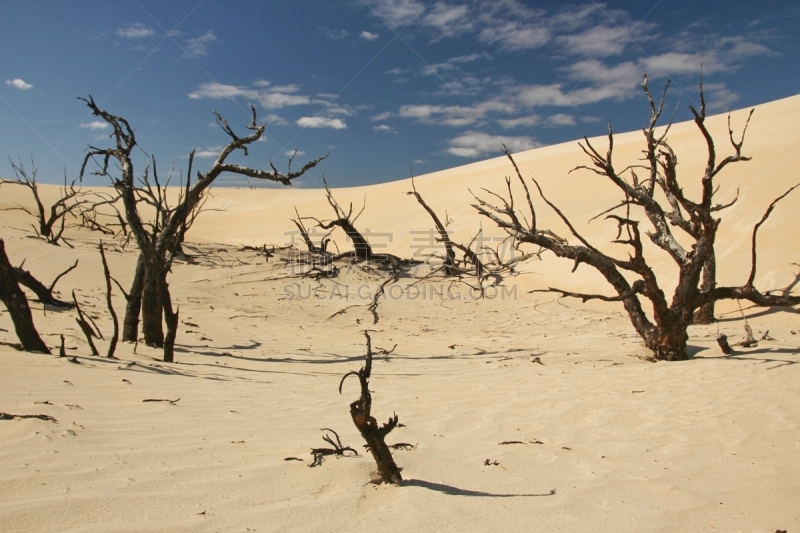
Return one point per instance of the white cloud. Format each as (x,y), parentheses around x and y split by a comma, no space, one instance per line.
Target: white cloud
(342,110)
(321,122)
(198,47)
(397,13)
(269,97)
(336,35)
(719,97)
(516,36)
(384,128)
(448,20)
(22,85)
(381,116)
(134,31)
(95,125)
(528,121)
(561,119)
(474,144)
(368,36)
(274,120)
(211,151)
(604,40)
(454,115)
(469,58)
(290,153)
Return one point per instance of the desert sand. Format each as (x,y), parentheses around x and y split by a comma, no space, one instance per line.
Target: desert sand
(602,440)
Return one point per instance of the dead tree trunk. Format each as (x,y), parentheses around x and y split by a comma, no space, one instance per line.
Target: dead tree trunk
(17,306)
(360,411)
(152,306)
(346,221)
(130,323)
(705,313)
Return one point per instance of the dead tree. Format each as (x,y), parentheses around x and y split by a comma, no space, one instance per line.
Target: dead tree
(51,223)
(42,292)
(346,221)
(156,255)
(449,264)
(17,305)
(666,335)
(360,411)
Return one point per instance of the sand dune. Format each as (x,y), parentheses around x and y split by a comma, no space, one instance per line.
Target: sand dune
(605,441)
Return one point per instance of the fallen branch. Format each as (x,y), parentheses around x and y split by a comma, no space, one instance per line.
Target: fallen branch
(318,453)
(115,336)
(173,402)
(8,416)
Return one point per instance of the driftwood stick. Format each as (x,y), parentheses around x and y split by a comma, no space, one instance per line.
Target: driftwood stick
(87,329)
(338,449)
(115,336)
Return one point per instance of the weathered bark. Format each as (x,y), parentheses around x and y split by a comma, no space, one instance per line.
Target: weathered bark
(705,313)
(360,412)
(17,305)
(669,343)
(130,324)
(152,306)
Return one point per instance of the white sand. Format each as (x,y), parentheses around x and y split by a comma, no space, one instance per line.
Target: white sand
(610,442)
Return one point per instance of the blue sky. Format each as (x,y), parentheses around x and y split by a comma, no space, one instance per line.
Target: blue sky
(379,84)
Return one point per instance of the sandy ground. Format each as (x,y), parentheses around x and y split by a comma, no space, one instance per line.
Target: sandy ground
(603,440)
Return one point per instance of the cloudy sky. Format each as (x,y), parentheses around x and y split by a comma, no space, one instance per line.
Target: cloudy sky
(381,85)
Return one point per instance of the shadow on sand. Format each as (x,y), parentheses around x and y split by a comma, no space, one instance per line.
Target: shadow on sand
(455,491)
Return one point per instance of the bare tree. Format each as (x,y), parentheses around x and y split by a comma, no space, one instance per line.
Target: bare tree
(666,335)
(449,262)
(346,221)
(51,223)
(374,435)
(156,256)
(17,305)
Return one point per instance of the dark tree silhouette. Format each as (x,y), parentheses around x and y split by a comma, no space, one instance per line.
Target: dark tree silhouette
(156,254)
(666,335)
(17,305)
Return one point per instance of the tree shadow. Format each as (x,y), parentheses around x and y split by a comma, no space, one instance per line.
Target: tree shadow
(455,491)
(748,356)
